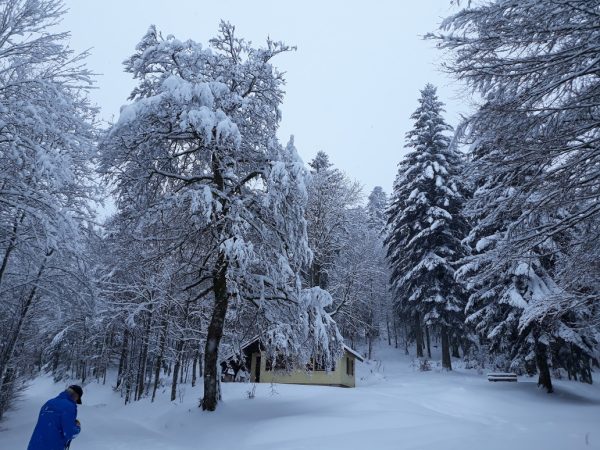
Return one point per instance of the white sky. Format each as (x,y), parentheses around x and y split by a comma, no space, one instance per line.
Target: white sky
(351,85)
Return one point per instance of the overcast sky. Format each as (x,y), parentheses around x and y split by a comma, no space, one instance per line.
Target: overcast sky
(351,85)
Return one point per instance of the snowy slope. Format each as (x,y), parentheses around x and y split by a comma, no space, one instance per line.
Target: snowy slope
(394,407)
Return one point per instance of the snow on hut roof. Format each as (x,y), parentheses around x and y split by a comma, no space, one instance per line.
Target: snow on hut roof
(249,342)
(354,353)
(244,344)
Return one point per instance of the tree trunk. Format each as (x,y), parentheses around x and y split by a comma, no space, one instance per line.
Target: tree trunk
(318,276)
(194,363)
(455,352)
(186,369)
(181,364)
(176,369)
(139,389)
(418,336)
(127,387)
(446,361)
(11,244)
(144,356)
(213,337)
(127,376)
(428,342)
(588,375)
(123,358)
(7,388)
(541,359)
(159,358)
(9,349)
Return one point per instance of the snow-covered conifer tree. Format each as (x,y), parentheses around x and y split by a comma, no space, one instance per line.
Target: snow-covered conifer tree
(515,301)
(376,209)
(538,79)
(536,169)
(425,229)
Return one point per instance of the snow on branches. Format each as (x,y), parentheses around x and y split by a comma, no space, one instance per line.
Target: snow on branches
(198,142)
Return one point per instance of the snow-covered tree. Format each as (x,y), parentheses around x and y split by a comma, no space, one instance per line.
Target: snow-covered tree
(536,170)
(515,301)
(539,81)
(46,145)
(346,239)
(331,195)
(376,209)
(425,229)
(198,144)
(359,281)
(149,319)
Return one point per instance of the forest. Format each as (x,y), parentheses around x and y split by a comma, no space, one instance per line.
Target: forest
(487,244)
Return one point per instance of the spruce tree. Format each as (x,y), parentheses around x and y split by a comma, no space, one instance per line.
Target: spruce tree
(516,304)
(535,66)
(425,229)
(376,206)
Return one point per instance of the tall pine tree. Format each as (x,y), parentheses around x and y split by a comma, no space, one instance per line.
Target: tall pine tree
(425,229)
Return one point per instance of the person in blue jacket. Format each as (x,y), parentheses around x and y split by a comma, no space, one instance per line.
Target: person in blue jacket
(57,423)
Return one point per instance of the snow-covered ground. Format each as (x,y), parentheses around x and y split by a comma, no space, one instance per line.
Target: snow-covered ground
(393,407)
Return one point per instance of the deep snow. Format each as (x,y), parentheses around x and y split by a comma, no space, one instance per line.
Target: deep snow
(394,407)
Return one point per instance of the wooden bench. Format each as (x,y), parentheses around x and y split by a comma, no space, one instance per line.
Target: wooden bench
(500,376)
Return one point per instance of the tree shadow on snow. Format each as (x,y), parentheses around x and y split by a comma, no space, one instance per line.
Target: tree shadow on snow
(561,394)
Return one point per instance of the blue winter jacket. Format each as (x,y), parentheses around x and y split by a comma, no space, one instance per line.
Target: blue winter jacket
(56,424)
